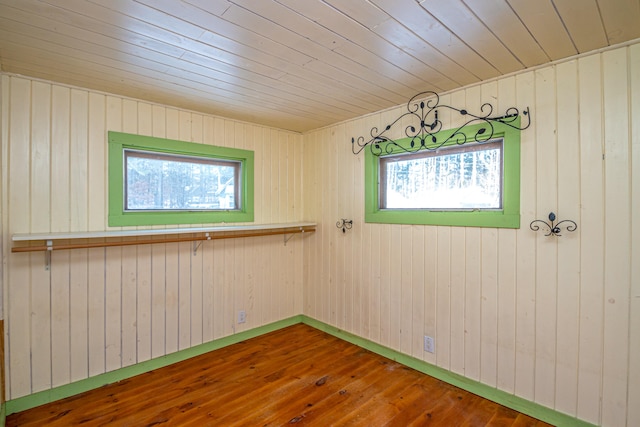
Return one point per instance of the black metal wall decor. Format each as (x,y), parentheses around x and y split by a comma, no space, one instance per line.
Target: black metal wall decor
(345,224)
(424,134)
(554,228)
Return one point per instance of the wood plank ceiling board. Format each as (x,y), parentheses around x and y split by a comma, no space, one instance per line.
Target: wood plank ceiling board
(230,62)
(92,42)
(621,19)
(507,26)
(542,20)
(214,7)
(389,28)
(370,50)
(459,19)
(297,65)
(83,37)
(583,22)
(155,70)
(90,28)
(224,50)
(225,78)
(144,89)
(429,29)
(338,69)
(263,23)
(273,35)
(313,79)
(172,89)
(269,54)
(22,22)
(192,78)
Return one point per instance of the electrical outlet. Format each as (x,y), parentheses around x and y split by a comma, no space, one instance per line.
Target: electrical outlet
(429,344)
(242,316)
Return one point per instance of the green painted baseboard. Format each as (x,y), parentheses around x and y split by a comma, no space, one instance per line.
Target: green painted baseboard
(57,393)
(491,393)
(506,399)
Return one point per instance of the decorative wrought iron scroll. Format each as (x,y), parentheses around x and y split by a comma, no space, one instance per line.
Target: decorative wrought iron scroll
(345,224)
(423,107)
(553,228)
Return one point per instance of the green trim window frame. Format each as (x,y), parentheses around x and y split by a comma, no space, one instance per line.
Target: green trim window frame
(123,144)
(508,216)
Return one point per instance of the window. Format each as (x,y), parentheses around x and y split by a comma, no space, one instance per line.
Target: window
(160,181)
(454,178)
(473,184)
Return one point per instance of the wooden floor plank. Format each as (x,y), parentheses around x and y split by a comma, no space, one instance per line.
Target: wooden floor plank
(294,376)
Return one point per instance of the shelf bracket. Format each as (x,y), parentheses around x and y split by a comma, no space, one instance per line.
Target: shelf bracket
(198,243)
(286,239)
(47,255)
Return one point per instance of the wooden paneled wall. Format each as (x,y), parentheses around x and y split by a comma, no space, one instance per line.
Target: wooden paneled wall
(556,321)
(553,320)
(101,309)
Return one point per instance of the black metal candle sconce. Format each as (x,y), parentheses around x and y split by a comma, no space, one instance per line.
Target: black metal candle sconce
(424,134)
(554,228)
(345,224)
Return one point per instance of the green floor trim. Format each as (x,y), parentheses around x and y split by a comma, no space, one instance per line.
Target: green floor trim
(506,399)
(491,393)
(57,393)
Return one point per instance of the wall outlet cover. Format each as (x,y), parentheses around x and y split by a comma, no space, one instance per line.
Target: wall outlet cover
(429,344)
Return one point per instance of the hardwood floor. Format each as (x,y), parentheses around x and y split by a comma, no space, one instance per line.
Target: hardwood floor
(294,376)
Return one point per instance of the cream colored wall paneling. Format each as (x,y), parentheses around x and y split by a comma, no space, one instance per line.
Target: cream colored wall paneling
(101,309)
(550,319)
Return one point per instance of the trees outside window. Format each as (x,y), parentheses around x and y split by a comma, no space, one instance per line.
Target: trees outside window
(469,184)
(154,181)
(460,177)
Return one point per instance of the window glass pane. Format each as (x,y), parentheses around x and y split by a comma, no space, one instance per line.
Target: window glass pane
(157,181)
(457,178)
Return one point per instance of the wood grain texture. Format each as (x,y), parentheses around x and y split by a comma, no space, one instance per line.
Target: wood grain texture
(99,309)
(298,65)
(633,411)
(3,394)
(549,320)
(297,375)
(618,239)
(575,315)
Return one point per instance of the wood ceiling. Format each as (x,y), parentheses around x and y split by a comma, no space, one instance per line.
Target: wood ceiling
(297,64)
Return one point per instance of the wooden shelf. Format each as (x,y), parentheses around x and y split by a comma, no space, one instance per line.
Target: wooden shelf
(98,239)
